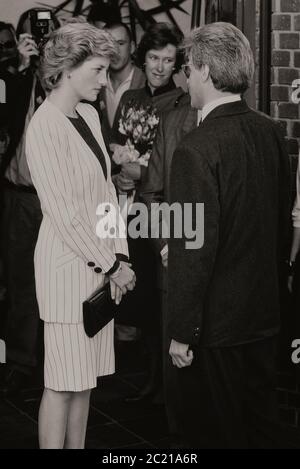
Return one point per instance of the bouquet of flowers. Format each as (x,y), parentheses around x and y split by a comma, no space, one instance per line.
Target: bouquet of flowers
(139,124)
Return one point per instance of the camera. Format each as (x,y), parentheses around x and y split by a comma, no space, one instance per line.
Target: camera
(40,25)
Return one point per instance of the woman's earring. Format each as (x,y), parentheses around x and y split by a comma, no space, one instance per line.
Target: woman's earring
(69,75)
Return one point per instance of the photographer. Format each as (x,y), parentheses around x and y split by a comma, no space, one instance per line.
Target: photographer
(22,213)
(8,70)
(8,64)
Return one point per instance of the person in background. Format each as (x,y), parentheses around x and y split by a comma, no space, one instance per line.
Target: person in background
(155,189)
(70,169)
(123,75)
(8,44)
(158,54)
(8,71)
(21,214)
(9,64)
(223,291)
(103,12)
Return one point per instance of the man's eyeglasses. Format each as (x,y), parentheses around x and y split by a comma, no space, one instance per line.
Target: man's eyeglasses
(7,44)
(186,70)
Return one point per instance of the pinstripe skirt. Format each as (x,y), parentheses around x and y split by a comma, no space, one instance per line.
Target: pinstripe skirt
(73,361)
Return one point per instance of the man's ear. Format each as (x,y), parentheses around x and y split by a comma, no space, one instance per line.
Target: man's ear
(205,74)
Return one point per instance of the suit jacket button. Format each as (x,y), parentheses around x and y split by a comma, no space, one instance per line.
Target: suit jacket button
(91,264)
(98,270)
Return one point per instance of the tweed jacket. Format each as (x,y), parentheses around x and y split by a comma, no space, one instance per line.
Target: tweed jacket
(226,292)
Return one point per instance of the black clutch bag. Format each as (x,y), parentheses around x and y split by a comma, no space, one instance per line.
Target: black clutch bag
(98,310)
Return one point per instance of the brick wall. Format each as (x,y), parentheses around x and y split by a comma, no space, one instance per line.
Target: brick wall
(286,69)
(257,52)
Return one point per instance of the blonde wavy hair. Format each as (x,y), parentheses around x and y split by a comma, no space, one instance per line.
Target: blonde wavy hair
(69,46)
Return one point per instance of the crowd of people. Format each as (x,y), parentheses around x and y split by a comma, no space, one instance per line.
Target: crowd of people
(208,317)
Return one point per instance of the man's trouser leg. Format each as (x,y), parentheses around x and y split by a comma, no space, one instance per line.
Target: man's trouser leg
(226,392)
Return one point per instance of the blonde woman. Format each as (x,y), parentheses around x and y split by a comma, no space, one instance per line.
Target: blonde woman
(70,169)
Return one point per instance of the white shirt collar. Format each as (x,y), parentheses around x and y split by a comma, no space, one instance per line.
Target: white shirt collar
(126,81)
(199,116)
(208,108)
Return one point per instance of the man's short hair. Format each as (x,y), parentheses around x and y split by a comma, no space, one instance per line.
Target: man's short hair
(119,24)
(227,52)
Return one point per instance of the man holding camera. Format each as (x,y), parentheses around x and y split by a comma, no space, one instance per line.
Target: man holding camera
(22,213)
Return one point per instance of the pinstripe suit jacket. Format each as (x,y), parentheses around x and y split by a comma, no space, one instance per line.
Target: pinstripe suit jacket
(70,184)
(227,292)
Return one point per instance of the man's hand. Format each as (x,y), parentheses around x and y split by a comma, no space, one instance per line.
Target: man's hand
(181,356)
(123,282)
(27,48)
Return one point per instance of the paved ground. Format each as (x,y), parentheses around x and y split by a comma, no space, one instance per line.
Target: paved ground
(113,423)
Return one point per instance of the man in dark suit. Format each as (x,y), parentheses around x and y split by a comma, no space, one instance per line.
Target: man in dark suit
(173,126)
(223,299)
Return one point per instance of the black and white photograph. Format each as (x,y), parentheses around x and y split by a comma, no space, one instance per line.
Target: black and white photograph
(149,227)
